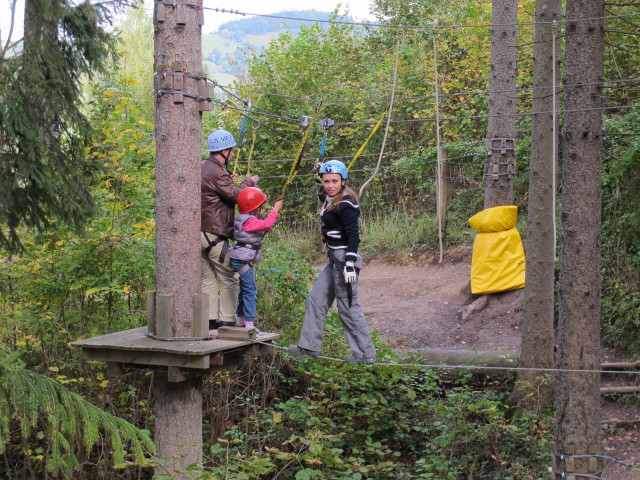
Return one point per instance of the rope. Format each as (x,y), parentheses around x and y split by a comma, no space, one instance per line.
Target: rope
(386,128)
(554,143)
(439,202)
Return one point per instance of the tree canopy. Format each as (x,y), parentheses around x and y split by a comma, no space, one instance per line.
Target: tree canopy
(43,129)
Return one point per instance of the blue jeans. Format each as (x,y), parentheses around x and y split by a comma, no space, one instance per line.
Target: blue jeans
(248,291)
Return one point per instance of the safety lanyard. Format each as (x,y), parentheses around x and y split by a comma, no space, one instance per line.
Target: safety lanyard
(243,126)
(254,128)
(373,131)
(326,124)
(308,122)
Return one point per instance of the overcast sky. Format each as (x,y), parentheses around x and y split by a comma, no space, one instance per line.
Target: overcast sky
(358,9)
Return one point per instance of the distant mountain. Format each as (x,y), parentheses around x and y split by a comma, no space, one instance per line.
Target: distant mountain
(221,50)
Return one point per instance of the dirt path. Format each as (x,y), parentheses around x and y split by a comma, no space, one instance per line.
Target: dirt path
(415,304)
(418,306)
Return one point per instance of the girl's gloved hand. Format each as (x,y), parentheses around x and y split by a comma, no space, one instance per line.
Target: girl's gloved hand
(349,272)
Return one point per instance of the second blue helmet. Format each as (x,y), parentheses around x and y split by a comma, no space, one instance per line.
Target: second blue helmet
(335,166)
(220,140)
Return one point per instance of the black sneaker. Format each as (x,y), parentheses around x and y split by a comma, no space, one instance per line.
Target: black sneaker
(214,324)
(296,350)
(227,324)
(359,359)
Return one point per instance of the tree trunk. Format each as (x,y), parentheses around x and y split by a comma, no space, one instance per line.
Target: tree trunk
(178,51)
(501,131)
(534,391)
(577,395)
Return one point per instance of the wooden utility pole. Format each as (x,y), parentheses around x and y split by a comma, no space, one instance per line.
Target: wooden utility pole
(577,435)
(500,167)
(178,59)
(534,390)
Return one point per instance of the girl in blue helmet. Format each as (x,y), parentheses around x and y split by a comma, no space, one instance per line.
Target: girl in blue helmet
(339,279)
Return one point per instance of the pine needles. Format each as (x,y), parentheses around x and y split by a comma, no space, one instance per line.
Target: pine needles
(71,425)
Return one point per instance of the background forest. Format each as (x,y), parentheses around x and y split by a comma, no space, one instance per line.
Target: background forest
(74,271)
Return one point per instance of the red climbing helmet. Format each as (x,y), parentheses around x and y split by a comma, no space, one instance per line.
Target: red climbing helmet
(250,198)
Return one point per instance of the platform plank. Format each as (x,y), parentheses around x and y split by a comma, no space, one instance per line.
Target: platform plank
(136,347)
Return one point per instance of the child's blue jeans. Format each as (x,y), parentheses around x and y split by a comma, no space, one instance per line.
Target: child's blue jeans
(248,292)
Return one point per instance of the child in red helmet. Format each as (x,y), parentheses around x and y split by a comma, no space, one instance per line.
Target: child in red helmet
(249,229)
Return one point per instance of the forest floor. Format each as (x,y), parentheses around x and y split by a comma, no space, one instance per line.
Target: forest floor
(414,303)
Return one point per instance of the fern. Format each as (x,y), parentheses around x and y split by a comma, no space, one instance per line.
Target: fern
(71,424)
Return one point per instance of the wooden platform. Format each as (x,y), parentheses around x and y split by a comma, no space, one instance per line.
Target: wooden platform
(135,347)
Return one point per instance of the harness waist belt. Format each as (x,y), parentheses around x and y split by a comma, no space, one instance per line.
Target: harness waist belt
(250,245)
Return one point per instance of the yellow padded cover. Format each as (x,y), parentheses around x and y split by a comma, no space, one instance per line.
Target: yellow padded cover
(498,261)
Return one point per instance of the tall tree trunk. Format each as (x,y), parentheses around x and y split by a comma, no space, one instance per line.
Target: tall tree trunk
(178,51)
(501,131)
(534,391)
(577,395)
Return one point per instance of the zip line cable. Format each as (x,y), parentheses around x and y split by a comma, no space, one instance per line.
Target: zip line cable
(605,84)
(467,366)
(397,27)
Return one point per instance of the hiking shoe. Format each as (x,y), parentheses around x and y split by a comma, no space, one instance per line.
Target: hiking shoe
(227,324)
(214,324)
(296,350)
(359,359)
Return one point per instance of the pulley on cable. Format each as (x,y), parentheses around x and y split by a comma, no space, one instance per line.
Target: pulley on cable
(243,127)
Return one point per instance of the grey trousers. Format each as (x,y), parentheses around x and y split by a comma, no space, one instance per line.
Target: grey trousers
(330,286)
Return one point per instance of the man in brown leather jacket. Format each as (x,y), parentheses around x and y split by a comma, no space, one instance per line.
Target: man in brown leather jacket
(219,196)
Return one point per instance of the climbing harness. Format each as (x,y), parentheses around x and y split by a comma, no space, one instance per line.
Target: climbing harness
(373,132)
(254,131)
(243,127)
(326,124)
(305,121)
(213,243)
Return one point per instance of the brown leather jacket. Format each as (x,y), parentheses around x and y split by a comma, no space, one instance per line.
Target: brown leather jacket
(219,196)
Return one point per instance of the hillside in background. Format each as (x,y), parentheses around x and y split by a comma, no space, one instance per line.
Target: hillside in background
(222,49)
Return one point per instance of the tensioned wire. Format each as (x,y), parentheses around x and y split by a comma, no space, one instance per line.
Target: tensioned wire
(470,367)
(400,27)
(464,117)
(604,83)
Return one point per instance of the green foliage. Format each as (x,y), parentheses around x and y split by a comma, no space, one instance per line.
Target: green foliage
(282,279)
(43,132)
(134,65)
(621,233)
(356,422)
(42,408)
(64,286)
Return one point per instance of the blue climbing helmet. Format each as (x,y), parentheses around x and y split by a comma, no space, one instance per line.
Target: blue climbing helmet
(220,140)
(335,166)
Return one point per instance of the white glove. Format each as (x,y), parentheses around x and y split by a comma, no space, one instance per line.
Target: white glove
(350,272)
